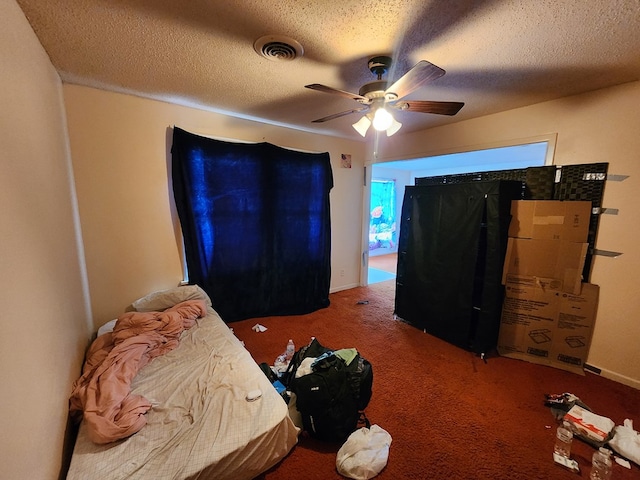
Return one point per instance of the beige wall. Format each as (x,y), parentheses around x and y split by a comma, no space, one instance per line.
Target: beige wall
(600,126)
(122,264)
(44,316)
(120,148)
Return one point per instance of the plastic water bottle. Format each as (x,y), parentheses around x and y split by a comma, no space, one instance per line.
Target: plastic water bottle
(291,350)
(601,465)
(564,438)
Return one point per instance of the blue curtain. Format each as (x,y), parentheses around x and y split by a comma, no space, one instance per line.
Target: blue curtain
(256,224)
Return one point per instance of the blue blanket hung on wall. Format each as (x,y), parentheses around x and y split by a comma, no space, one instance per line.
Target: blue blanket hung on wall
(256,224)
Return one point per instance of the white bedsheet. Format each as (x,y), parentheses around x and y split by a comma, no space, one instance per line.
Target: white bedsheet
(201,424)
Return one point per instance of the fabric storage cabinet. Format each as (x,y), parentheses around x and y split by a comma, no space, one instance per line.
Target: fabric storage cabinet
(450,257)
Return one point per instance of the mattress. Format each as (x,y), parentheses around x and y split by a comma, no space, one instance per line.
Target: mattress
(201,425)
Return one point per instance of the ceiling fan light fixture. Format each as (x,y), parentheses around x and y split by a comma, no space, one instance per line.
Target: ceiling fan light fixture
(382,119)
(362,125)
(374,96)
(395,126)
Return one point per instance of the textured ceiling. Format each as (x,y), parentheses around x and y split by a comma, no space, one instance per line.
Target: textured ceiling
(498,55)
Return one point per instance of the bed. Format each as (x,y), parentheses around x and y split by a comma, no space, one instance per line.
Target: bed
(201,424)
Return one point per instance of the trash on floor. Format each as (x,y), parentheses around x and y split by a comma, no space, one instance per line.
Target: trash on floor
(626,441)
(622,462)
(364,454)
(566,462)
(598,431)
(594,429)
(561,403)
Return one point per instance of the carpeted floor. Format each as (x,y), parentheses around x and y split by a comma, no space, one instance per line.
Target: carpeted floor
(450,414)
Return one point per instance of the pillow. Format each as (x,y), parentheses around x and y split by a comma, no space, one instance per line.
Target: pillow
(107,327)
(163,299)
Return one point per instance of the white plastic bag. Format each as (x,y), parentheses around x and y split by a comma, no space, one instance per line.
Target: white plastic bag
(364,454)
(626,441)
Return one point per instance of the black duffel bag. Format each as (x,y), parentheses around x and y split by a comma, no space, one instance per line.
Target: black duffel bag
(332,397)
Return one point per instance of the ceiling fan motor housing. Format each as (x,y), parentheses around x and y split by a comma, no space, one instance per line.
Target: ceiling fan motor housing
(374,89)
(379,65)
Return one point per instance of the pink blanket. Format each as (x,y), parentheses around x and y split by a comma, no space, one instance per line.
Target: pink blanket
(102,394)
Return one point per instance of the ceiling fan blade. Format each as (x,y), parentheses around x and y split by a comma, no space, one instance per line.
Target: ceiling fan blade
(335,91)
(341,114)
(420,74)
(426,106)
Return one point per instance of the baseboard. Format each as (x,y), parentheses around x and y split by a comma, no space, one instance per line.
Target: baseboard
(616,377)
(343,287)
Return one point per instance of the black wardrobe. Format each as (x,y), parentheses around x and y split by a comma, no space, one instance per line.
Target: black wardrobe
(453,237)
(450,255)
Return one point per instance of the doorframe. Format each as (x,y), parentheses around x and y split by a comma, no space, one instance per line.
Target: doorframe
(549,138)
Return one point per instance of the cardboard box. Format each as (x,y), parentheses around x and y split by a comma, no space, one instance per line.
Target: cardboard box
(588,425)
(547,326)
(550,220)
(531,281)
(552,261)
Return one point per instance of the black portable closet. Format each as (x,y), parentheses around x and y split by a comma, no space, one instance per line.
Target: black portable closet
(450,255)
(453,237)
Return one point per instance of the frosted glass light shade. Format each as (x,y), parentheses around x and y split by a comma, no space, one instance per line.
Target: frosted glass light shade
(362,125)
(382,120)
(395,126)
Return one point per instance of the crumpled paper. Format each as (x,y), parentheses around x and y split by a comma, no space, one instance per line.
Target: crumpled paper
(259,328)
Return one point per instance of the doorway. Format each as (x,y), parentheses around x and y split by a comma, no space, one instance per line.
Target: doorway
(383,234)
(534,153)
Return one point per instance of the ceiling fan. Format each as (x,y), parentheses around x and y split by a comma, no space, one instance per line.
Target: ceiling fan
(376,97)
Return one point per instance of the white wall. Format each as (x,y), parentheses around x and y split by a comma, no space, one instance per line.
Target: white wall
(120,146)
(44,316)
(600,126)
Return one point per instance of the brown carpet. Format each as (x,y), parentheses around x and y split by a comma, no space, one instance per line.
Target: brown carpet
(450,414)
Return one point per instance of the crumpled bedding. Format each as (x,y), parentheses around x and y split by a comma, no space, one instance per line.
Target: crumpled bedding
(102,395)
(201,425)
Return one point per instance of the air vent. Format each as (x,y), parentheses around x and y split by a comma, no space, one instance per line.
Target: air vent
(278,48)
